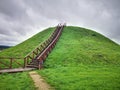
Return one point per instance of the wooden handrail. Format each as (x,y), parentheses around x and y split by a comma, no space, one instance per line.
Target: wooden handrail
(50,45)
(46,51)
(45,47)
(10,61)
(41,45)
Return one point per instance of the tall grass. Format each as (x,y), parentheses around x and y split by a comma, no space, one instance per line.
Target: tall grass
(16,81)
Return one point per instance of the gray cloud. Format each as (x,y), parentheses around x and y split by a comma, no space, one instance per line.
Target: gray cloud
(24,18)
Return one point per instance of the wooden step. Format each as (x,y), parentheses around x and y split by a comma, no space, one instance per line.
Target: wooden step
(32,66)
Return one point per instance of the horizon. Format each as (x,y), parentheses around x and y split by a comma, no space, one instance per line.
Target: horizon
(66,25)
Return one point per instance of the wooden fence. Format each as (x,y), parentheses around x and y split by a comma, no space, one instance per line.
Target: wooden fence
(10,62)
(39,54)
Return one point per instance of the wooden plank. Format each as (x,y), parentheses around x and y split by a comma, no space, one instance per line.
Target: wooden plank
(16,70)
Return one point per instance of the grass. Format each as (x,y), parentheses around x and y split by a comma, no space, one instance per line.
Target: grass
(81,60)
(16,81)
(83,78)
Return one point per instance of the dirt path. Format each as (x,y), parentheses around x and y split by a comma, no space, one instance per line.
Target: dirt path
(39,81)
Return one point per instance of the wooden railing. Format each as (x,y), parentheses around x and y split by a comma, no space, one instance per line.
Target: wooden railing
(37,56)
(10,62)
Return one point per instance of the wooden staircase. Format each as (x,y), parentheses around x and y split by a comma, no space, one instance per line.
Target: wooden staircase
(47,46)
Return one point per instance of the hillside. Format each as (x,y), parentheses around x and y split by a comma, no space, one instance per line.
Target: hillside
(81,60)
(82,46)
(27,46)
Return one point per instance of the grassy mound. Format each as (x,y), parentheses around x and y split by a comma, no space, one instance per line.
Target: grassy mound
(83,60)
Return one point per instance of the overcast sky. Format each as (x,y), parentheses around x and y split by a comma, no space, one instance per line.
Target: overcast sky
(21,19)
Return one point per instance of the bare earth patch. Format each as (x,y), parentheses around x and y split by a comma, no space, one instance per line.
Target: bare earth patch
(39,81)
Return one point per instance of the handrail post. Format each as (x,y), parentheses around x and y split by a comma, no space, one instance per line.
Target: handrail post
(39,66)
(33,55)
(25,62)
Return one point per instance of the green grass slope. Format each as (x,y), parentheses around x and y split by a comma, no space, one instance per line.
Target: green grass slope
(83,60)
(81,46)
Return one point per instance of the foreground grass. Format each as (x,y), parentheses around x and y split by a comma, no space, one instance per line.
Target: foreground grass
(16,81)
(83,77)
